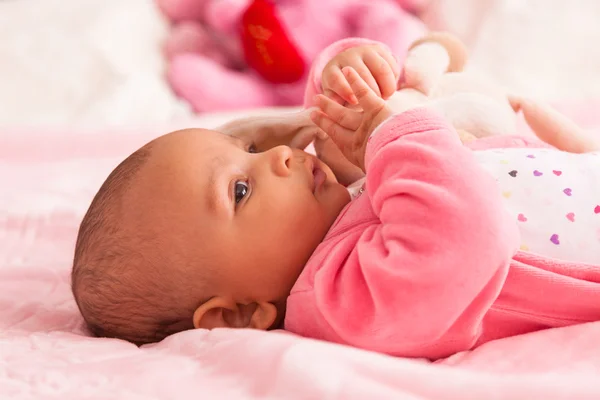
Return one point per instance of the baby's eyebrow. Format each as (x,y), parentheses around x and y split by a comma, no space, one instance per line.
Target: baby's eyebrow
(237,141)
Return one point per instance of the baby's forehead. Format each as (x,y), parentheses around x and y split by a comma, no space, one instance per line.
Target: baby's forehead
(188,150)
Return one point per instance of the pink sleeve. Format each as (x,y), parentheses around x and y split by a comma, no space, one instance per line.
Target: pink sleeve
(419,283)
(313,86)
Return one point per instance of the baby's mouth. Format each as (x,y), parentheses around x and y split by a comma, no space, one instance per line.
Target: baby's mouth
(318,176)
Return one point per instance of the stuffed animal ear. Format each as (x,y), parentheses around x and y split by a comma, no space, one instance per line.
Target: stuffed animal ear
(456,49)
(431,57)
(553,127)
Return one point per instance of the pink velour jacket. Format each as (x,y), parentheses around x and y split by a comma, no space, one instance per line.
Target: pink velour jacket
(425,263)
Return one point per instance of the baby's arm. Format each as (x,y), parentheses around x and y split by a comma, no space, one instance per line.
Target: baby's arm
(294,129)
(419,282)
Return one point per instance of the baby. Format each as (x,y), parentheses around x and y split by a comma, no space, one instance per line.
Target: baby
(200,228)
(441,249)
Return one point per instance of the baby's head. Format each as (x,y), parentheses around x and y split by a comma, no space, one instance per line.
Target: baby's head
(195,230)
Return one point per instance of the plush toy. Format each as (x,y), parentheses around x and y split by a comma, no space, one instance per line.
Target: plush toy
(434,75)
(234,54)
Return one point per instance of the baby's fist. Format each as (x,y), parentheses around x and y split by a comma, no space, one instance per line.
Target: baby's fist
(350,129)
(375,65)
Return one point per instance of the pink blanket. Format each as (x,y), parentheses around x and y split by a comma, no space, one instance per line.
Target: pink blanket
(47,180)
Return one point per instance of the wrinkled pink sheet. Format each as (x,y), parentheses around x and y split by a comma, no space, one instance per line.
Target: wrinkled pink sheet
(47,179)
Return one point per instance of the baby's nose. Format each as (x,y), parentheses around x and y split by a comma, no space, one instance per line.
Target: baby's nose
(281,157)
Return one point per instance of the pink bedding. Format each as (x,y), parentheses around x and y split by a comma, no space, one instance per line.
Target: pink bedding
(47,179)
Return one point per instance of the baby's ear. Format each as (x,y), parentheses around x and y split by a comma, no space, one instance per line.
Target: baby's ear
(261,315)
(220,312)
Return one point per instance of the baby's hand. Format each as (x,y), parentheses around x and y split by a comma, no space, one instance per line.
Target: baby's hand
(374,63)
(345,172)
(267,131)
(350,129)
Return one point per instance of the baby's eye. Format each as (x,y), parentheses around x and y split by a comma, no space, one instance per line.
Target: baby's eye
(240,191)
(252,149)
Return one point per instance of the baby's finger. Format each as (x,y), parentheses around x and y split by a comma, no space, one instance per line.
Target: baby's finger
(337,83)
(321,135)
(367,75)
(334,96)
(341,115)
(382,72)
(305,137)
(367,98)
(392,62)
(340,135)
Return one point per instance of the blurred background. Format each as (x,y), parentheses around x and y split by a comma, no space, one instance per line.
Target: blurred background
(102,62)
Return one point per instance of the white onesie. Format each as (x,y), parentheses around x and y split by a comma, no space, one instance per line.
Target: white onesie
(555,198)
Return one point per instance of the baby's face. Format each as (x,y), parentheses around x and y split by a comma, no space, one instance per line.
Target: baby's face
(254,218)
